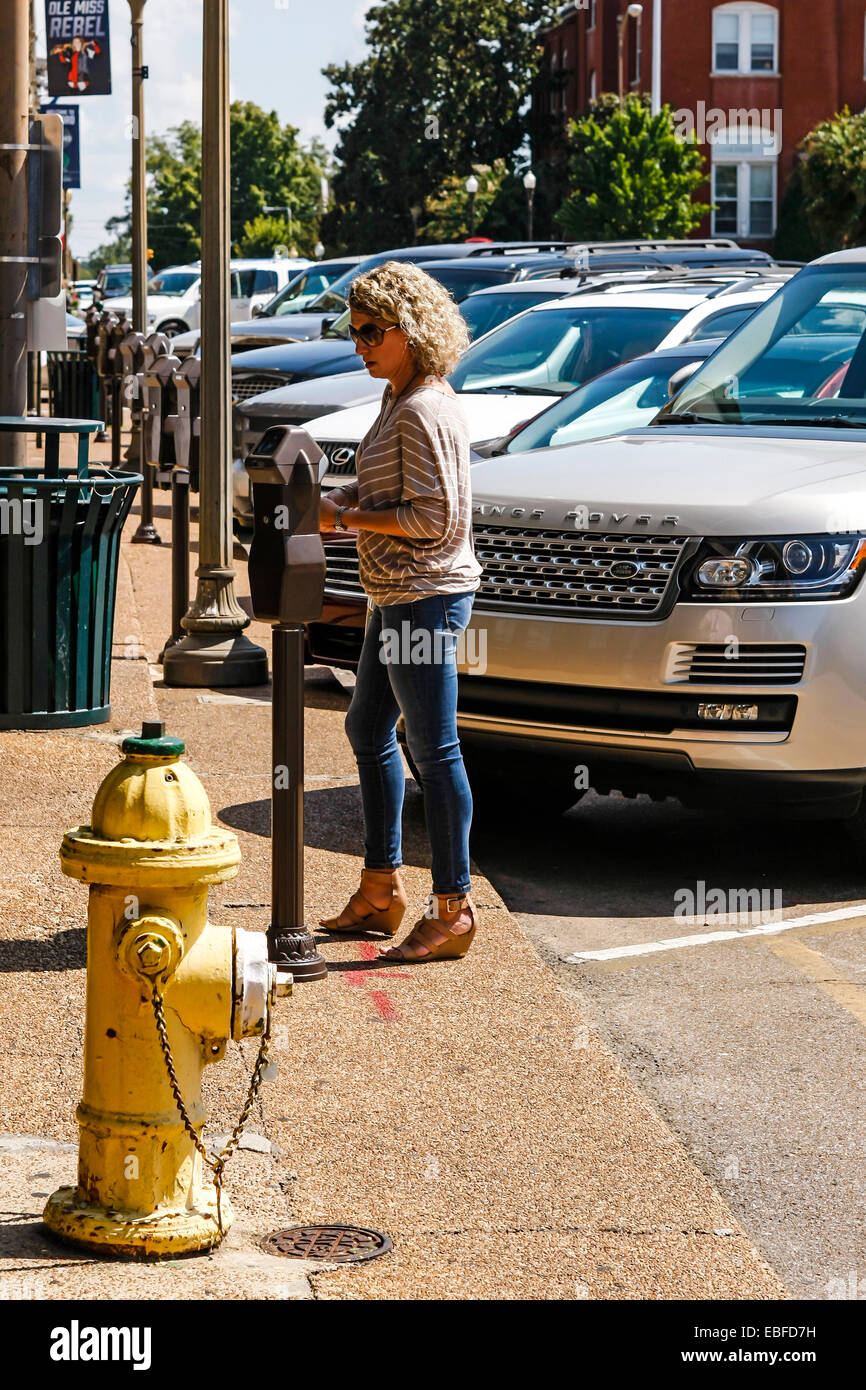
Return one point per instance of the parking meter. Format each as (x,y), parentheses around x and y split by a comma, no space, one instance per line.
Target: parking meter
(287,558)
(157,407)
(186,424)
(287,582)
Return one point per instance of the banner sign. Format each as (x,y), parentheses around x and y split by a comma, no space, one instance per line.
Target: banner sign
(71,144)
(79,58)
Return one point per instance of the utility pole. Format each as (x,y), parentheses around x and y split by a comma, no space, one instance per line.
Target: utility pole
(145,533)
(215,651)
(14,137)
(657,58)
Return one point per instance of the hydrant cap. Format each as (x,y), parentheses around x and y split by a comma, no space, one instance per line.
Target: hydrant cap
(163,746)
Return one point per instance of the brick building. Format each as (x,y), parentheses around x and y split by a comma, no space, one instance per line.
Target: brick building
(750,78)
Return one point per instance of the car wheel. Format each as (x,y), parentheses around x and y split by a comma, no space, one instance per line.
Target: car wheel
(172,327)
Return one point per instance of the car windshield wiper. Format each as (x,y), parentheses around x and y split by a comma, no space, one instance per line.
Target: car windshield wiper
(514,389)
(685,417)
(836,422)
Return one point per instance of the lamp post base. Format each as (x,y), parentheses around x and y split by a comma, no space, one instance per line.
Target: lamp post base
(294,949)
(215,658)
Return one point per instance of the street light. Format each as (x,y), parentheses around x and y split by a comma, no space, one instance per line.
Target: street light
(215,651)
(634,12)
(472,189)
(529,182)
(318,250)
(146,533)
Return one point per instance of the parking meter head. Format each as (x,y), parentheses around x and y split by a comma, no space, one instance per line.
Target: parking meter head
(287,559)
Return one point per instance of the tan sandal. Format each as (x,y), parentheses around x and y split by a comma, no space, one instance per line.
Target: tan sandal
(431,938)
(383,919)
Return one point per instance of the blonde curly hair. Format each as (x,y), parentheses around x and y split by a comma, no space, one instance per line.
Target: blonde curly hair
(403,294)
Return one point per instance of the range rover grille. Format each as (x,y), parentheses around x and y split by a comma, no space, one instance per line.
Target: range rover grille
(245,386)
(574,571)
(737,663)
(551,571)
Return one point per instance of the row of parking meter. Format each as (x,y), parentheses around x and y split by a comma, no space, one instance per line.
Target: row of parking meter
(287,584)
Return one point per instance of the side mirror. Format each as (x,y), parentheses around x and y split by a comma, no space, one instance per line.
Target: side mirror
(329,321)
(681,376)
(256,312)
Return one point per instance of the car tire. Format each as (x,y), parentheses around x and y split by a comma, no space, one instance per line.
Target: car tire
(172,327)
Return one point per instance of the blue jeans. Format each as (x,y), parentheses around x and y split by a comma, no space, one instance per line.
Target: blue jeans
(408,664)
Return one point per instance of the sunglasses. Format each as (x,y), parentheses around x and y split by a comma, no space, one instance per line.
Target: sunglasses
(369,334)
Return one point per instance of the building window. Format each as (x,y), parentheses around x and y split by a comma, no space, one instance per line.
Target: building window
(745,38)
(593,85)
(744,184)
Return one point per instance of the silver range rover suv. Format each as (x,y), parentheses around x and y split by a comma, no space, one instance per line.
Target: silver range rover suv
(680,610)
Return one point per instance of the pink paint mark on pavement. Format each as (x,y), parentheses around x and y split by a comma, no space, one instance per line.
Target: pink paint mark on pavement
(378,997)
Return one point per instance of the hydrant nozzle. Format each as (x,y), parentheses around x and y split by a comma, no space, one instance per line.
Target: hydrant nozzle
(149,855)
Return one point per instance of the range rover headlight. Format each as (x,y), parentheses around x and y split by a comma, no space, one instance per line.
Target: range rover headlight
(775,569)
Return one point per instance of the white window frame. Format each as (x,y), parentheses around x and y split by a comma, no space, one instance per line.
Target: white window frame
(744,159)
(593,85)
(744,13)
(593,14)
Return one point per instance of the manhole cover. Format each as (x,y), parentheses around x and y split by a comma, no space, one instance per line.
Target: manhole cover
(338,1244)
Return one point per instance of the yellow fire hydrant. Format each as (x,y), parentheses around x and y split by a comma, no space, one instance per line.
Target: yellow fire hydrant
(149,854)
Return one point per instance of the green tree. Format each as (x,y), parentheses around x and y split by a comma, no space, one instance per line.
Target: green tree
(444,87)
(264,234)
(448,213)
(829,179)
(630,175)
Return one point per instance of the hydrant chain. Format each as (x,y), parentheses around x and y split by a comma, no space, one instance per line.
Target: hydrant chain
(216,1166)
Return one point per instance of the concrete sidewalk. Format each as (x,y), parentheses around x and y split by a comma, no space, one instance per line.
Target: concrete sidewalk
(463,1107)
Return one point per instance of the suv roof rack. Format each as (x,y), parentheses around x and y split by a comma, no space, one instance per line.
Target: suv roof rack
(722,243)
(506,248)
(726,278)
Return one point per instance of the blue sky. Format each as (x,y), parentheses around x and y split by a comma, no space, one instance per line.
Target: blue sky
(277,49)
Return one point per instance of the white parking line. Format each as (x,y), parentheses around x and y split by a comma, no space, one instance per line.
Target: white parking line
(679,943)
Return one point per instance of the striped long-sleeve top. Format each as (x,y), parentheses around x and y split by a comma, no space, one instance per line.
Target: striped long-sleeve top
(415,457)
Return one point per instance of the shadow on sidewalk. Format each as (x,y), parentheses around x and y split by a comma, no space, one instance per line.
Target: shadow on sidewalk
(63,950)
(333,818)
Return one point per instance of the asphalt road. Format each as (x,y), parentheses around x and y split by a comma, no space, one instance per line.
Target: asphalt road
(751,1047)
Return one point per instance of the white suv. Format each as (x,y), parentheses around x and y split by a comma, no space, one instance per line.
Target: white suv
(174,296)
(680,610)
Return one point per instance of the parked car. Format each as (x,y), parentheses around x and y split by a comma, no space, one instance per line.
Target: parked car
(486,309)
(80,294)
(113,280)
(680,610)
(272,322)
(174,296)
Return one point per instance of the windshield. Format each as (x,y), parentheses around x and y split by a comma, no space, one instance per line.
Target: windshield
(622,399)
(116,281)
(483,312)
(173,282)
(799,359)
(466,281)
(558,349)
(299,293)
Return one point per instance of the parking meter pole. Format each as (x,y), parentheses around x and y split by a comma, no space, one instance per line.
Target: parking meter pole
(287,584)
(290,945)
(214,651)
(179,555)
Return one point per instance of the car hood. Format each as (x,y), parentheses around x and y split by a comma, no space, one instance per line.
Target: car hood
(297,326)
(301,357)
(316,396)
(488,417)
(694,481)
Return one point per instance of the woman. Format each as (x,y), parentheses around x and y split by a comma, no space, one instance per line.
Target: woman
(411,508)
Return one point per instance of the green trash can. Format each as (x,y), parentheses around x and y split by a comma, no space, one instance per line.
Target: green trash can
(72,385)
(59,539)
